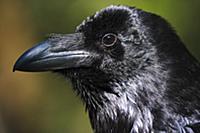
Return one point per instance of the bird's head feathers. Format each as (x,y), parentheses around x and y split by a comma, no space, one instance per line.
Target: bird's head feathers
(110,49)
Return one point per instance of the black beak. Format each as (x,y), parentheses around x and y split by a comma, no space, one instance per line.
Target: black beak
(57,52)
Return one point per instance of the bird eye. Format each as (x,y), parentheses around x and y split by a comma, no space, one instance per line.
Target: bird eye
(109,39)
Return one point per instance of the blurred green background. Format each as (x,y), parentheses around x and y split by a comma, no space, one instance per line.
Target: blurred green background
(45,102)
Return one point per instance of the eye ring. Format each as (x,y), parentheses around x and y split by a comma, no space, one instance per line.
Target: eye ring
(109,39)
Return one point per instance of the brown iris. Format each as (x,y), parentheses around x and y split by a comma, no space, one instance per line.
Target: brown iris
(109,39)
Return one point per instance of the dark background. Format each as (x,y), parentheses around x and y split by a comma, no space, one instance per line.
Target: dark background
(45,102)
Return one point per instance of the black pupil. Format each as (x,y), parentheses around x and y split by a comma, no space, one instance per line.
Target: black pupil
(109,39)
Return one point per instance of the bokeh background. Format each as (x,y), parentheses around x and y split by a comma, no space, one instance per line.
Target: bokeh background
(45,102)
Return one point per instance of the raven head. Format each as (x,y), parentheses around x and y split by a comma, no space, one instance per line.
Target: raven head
(109,51)
(128,65)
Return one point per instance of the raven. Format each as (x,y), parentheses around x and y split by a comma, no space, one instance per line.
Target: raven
(130,68)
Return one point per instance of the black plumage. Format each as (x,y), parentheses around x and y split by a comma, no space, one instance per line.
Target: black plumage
(130,68)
